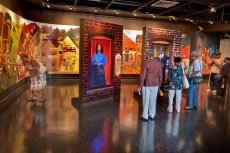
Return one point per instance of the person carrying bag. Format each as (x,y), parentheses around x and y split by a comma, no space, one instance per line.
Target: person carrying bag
(195,78)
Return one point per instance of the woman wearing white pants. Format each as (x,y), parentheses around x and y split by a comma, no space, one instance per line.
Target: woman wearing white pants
(150,80)
(175,85)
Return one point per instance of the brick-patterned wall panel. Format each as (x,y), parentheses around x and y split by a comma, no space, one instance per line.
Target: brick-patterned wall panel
(93,28)
(172,36)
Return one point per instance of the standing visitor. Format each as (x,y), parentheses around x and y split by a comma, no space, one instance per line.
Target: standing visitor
(195,77)
(150,80)
(175,84)
(33,67)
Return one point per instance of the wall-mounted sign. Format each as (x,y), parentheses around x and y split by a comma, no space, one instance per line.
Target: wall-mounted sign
(118,64)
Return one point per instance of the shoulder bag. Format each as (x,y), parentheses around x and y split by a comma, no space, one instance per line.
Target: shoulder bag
(197,79)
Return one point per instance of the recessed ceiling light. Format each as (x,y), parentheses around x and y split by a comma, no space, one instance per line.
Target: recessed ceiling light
(164,4)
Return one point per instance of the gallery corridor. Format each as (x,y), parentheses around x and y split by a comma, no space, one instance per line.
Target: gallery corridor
(113,127)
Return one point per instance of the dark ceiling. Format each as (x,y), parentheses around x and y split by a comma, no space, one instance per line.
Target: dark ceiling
(191,11)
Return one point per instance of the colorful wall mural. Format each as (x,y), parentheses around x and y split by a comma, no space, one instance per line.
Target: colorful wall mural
(207,46)
(185,50)
(131,52)
(57,46)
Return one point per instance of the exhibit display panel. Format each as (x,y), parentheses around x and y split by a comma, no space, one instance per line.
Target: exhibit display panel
(225,47)
(131,52)
(164,44)
(207,47)
(101,45)
(185,51)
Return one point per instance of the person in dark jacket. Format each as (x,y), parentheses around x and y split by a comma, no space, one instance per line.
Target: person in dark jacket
(222,78)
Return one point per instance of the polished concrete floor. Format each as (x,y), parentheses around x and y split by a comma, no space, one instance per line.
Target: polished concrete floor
(113,127)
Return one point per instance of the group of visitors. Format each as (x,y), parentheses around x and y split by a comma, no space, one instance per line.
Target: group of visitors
(219,75)
(151,79)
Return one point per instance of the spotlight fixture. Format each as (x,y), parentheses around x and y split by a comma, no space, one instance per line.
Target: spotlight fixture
(135,14)
(211,22)
(95,10)
(48,5)
(200,28)
(187,19)
(154,16)
(227,35)
(70,7)
(212,9)
(117,12)
(192,21)
(172,18)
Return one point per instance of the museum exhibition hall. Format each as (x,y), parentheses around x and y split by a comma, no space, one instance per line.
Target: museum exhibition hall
(114,76)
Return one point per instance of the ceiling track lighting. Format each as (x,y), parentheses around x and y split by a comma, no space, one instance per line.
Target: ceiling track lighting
(117,12)
(95,10)
(154,16)
(135,14)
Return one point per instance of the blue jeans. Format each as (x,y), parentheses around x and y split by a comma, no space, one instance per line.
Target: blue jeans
(193,95)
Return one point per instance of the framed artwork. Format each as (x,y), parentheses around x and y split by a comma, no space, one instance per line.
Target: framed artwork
(100,62)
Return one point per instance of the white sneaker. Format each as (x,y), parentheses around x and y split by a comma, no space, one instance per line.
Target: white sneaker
(169,110)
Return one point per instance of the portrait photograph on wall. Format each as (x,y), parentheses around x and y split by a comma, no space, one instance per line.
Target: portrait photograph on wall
(100,62)
(131,52)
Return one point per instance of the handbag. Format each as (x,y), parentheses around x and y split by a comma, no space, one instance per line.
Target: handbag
(197,80)
(185,80)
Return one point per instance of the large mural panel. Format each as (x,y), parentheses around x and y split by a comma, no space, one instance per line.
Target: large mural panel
(55,45)
(207,47)
(185,50)
(131,52)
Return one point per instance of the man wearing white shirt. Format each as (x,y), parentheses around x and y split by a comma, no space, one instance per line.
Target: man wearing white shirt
(195,70)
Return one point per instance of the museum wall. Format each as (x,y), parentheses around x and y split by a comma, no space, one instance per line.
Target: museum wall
(14,5)
(57,46)
(70,18)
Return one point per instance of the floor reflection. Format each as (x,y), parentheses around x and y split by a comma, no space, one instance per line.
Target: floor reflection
(113,127)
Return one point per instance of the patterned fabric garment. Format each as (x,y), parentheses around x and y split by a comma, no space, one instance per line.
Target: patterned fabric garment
(175,77)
